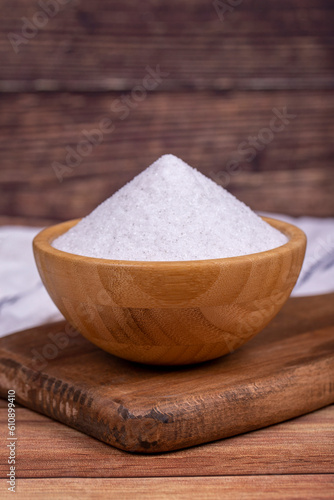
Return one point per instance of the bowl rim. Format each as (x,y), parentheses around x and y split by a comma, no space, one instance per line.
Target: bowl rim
(42,243)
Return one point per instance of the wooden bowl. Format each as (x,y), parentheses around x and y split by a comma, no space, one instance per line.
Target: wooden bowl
(170,313)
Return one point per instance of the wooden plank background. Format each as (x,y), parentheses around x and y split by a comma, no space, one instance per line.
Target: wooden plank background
(224,73)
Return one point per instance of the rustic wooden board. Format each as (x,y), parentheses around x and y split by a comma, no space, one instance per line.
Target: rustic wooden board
(302,445)
(293,174)
(106,45)
(287,370)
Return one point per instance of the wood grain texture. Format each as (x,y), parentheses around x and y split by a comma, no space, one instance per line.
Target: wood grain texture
(303,445)
(287,370)
(292,174)
(170,313)
(318,487)
(6,220)
(106,45)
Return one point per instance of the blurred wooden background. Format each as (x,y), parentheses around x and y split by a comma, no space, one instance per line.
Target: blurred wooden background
(226,66)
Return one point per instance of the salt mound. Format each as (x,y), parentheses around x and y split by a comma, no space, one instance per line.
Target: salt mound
(170,211)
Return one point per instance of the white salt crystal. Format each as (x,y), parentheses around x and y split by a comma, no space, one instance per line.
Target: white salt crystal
(170,211)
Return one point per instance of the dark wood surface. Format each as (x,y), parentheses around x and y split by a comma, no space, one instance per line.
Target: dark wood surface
(106,45)
(223,78)
(292,174)
(286,371)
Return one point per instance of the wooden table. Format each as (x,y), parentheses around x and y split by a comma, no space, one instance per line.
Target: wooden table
(294,459)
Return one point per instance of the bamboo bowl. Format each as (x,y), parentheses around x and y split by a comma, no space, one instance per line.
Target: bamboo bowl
(170,313)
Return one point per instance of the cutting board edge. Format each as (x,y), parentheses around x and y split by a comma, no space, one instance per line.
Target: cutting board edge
(149,432)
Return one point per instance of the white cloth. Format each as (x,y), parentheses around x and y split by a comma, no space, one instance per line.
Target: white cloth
(24,301)
(317,274)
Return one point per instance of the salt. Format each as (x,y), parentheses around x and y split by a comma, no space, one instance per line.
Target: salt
(170,212)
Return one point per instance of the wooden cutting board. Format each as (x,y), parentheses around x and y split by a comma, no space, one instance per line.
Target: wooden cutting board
(287,370)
